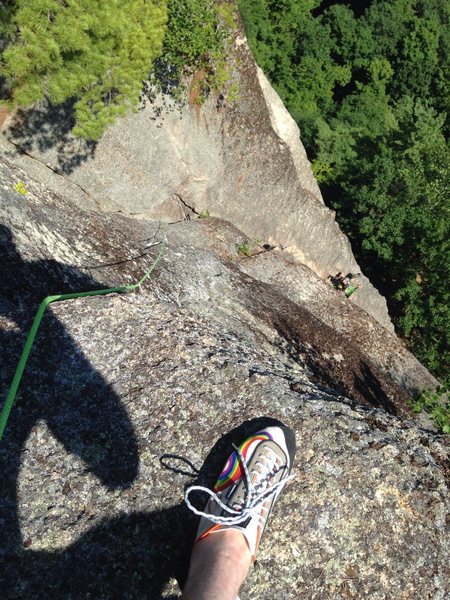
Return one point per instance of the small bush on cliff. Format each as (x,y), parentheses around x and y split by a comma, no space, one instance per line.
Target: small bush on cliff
(195,45)
(244,248)
(436,403)
(96,52)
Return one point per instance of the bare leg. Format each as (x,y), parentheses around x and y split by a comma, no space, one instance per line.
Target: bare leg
(226,539)
(219,566)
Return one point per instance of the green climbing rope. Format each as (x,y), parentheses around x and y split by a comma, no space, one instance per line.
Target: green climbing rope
(6,410)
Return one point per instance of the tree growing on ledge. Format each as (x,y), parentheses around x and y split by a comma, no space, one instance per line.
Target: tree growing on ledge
(95,51)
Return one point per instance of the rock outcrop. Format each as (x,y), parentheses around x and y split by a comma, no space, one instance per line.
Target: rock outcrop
(128,399)
(244,163)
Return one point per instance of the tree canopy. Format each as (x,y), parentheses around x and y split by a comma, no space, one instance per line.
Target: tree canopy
(98,52)
(369,88)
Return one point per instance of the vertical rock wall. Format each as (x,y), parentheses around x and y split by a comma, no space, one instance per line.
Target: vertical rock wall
(244,163)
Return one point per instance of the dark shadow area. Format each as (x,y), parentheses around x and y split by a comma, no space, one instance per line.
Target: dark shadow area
(132,556)
(368,384)
(163,93)
(47,127)
(164,78)
(312,343)
(359,381)
(59,386)
(357,6)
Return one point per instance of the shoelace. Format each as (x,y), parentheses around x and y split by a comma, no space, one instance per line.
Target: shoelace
(252,502)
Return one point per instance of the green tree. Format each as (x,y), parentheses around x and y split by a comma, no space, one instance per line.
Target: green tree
(97,52)
(393,202)
(198,32)
(369,89)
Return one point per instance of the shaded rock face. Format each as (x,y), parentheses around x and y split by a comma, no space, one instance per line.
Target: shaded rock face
(128,399)
(244,163)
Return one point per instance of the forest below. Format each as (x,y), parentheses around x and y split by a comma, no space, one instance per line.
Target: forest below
(368,84)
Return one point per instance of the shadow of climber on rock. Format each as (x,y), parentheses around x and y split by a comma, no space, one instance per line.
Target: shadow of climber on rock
(59,386)
(130,556)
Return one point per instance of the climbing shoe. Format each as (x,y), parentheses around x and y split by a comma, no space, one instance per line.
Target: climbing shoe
(245,492)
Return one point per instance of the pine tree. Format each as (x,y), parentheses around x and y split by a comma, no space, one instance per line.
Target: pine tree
(94,51)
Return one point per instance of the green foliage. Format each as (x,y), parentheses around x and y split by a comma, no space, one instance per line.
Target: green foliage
(196,42)
(99,54)
(193,34)
(436,403)
(245,248)
(204,214)
(249,247)
(227,12)
(233,93)
(96,52)
(370,91)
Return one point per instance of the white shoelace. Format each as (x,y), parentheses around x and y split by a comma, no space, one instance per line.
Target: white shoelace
(252,502)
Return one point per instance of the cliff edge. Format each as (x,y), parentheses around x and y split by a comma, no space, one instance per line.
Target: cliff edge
(127,399)
(242,162)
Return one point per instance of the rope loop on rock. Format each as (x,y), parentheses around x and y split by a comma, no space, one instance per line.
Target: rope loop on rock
(6,410)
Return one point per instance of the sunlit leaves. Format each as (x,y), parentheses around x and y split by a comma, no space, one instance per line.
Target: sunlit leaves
(371,95)
(96,52)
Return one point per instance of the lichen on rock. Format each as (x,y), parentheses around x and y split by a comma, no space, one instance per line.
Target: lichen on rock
(127,399)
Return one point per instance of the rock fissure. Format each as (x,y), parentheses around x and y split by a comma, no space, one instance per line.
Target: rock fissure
(191,208)
(30,155)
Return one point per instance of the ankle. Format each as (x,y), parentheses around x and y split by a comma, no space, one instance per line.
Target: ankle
(219,565)
(227,541)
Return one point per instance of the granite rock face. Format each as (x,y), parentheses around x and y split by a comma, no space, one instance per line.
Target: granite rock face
(242,162)
(129,398)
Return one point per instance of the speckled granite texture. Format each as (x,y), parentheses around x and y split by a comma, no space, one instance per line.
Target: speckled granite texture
(130,398)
